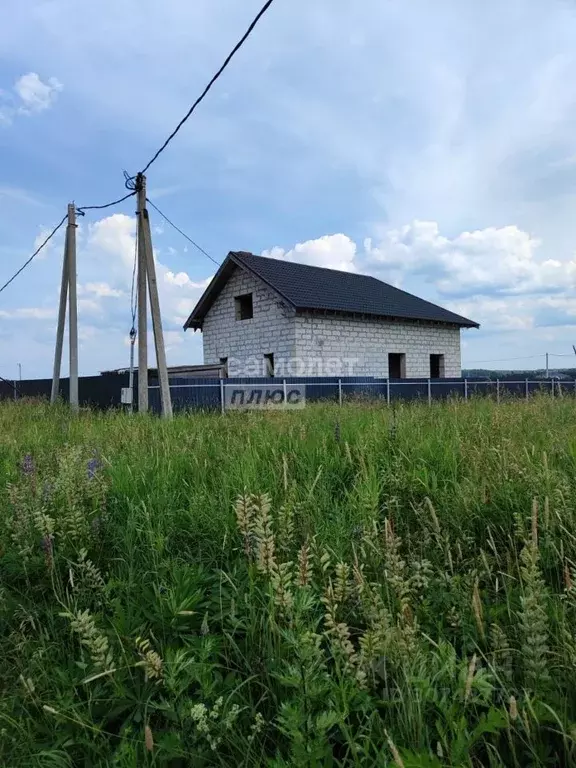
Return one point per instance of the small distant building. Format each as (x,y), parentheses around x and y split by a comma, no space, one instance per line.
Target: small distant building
(262,316)
(178,371)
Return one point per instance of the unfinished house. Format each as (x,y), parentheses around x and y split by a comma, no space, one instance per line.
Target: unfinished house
(266,317)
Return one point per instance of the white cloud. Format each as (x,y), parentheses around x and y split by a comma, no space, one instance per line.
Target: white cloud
(102,290)
(181,279)
(35,95)
(330,251)
(29,313)
(488,261)
(30,95)
(114,236)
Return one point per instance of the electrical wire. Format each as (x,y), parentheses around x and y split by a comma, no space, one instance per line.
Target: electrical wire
(36,252)
(526,357)
(505,359)
(180,231)
(11,384)
(227,61)
(80,210)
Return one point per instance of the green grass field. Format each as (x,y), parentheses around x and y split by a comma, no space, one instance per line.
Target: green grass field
(328,587)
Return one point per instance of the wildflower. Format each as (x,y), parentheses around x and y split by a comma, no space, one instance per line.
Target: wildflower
(148,738)
(199,713)
(47,545)
(513,708)
(470,678)
(477,608)
(150,660)
(205,629)
(256,727)
(395,754)
(27,466)
(93,466)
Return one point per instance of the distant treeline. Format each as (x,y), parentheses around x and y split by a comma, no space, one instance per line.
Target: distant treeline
(558,373)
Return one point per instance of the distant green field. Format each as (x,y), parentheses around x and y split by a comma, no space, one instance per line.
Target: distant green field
(354,586)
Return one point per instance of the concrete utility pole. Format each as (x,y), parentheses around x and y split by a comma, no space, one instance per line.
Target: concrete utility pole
(67,286)
(61,323)
(142,309)
(147,271)
(72,307)
(547,365)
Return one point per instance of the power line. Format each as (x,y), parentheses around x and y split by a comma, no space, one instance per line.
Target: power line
(505,359)
(83,208)
(227,61)
(36,252)
(11,384)
(182,233)
(526,357)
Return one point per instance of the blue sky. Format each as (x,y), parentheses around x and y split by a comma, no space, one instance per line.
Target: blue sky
(432,145)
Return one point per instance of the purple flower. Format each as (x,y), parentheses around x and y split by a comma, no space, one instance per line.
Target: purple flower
(337,432)
(96,526)
(93,466)
(48,549)
(27,466)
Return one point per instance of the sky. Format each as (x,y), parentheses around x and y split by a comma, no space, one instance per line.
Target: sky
(432,145)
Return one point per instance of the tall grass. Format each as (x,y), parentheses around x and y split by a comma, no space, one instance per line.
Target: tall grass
(347,587)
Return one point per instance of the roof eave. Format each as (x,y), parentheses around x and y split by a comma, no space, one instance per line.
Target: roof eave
(208,297)
(460,322)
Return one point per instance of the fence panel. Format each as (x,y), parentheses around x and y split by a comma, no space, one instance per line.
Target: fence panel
(104,391)
(403,389)
(442,389)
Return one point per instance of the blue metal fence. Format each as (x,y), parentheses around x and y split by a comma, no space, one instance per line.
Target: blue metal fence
(207,394)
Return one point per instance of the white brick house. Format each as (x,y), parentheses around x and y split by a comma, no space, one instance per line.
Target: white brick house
(262,316)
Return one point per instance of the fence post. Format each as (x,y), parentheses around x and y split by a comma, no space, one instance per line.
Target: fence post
(340,392)
(497,390)
(552,386)
(285,391)
(388,391)
(465,389)
(429,392)
(222,404)
(527,388)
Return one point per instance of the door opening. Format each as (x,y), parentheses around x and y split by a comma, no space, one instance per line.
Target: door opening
(396,365)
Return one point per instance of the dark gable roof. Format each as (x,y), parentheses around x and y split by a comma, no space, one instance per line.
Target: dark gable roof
(319,289)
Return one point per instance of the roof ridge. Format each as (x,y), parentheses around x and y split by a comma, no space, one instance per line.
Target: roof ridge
(309,287)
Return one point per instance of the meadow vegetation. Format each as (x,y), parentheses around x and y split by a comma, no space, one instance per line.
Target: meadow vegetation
(330,587)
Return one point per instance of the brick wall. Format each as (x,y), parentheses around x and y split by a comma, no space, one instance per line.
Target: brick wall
(316,344)
(271,329)
(368,342)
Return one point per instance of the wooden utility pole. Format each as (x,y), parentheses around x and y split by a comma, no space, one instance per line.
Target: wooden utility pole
(147,272)
(67,292)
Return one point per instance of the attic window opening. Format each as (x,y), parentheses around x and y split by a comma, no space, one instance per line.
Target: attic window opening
(244,307)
